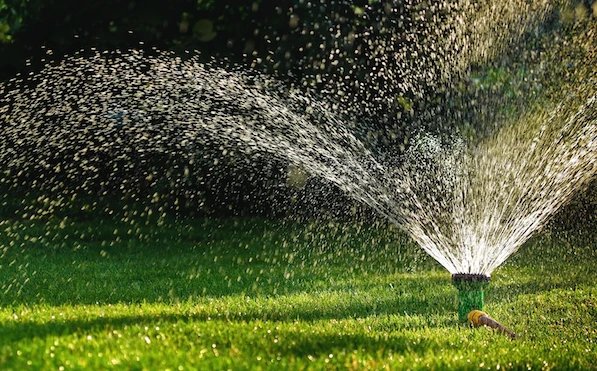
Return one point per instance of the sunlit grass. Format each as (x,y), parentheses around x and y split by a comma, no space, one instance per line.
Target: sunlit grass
(277,295)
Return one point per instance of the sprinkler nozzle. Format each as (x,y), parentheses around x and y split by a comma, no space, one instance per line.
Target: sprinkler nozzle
(478,318)
(470,292)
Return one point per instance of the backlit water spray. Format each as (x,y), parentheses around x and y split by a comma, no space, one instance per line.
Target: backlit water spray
(468,203)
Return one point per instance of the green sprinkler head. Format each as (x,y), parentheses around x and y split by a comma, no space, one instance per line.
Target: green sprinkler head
(470,292)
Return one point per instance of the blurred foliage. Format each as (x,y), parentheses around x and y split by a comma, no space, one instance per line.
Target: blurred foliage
(11,18)
(227,29)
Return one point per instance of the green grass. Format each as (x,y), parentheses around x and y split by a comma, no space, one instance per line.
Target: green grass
(257,294)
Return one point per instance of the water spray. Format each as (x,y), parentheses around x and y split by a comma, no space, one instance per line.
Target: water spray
(470,292)
(478,318)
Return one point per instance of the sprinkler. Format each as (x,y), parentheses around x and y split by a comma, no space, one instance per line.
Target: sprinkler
(470,292)
(478,318)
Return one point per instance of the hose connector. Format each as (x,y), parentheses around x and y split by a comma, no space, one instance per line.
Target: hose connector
(478,318)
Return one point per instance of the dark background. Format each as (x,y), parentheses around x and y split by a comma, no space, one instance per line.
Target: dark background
(261,35)
(269,36)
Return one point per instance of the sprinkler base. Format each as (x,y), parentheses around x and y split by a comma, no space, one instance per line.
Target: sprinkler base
(470,292)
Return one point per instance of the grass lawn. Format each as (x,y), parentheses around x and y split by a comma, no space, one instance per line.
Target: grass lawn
(257,294)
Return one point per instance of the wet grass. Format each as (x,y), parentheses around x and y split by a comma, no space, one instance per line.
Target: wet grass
(257,294)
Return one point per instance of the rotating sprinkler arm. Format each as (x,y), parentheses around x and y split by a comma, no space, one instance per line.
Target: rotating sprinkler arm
(478,318)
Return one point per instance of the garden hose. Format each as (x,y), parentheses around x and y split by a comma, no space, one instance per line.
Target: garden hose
(478,318)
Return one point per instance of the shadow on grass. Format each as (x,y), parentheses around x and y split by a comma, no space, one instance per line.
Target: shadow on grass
(510,293)
(321,345)
(541,279)
(275,309)
(132,273)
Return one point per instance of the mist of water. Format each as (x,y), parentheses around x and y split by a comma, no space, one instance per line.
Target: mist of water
(469,204)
